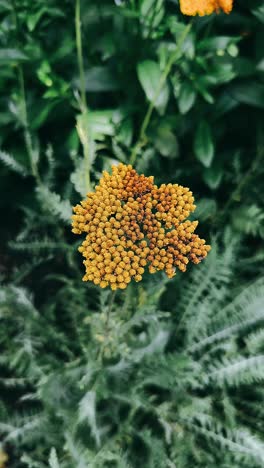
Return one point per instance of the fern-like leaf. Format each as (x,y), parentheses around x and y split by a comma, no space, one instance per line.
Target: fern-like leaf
(236,372)
(12,164)
(53,203)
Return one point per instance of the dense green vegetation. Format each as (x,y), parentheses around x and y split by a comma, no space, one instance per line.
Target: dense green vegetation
(173,375)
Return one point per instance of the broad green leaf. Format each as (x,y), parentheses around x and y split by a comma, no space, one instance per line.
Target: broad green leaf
(223,73)
(259,13)
(201,84)
(96,125)
(260,66)
(125,132)
(225,103)
(152,11)
(44,73)
(213,176)
(41,113)
(216,43)
(100,123)
(100,79)
(33,18)
(150,77)
(5,5)
(166,142)
(206,208)
(203,144)
(186,98)
(12,56)
(248,92)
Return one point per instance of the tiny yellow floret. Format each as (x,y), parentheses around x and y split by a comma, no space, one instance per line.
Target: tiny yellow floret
(205,7)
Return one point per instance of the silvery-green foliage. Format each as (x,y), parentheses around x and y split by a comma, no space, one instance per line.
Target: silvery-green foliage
(139,385)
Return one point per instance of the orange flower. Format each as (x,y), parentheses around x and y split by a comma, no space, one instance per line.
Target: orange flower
(130,224)
(204,7)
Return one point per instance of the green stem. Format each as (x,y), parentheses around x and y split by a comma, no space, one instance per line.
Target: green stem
(80,52)
(142,133)
(109,310)
(83,129)
(100,353)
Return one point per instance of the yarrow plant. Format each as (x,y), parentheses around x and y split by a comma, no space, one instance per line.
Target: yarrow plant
(131,223)
(205,7)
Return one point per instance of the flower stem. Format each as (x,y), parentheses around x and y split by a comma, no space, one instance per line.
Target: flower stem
(100,352)
(110,306)
(142,133)
(83,126)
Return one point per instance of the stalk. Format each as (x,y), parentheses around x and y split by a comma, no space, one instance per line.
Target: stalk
(142,133)
(83,127)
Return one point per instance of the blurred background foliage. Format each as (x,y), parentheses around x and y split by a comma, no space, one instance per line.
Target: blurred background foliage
(155,399)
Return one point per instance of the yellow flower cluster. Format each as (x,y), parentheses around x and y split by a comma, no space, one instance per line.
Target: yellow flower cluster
(205,7)
(130,224)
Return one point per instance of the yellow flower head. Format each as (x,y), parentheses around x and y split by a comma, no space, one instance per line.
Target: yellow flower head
(205,7)
(131,224)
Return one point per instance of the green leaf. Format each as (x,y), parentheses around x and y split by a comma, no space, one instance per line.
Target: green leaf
(249,92)
(33,18)
(213,176)
(53,459)
(221,74)
(166,142)
(12,164)
(12,56)
(5,5)
(78,177)
(206,208)
(216,43)
(259,13)
(53,203)
(152,11)
(41,113)
(150,77)
(202,87)
(203,144)
(87,412)
(186,98)
(100,79)
(100,123)
(125,133)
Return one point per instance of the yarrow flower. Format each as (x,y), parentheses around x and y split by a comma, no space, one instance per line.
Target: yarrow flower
(131,224)
(205,7)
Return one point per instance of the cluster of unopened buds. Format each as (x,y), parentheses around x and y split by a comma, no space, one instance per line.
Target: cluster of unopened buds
(205,7)
(131,224)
